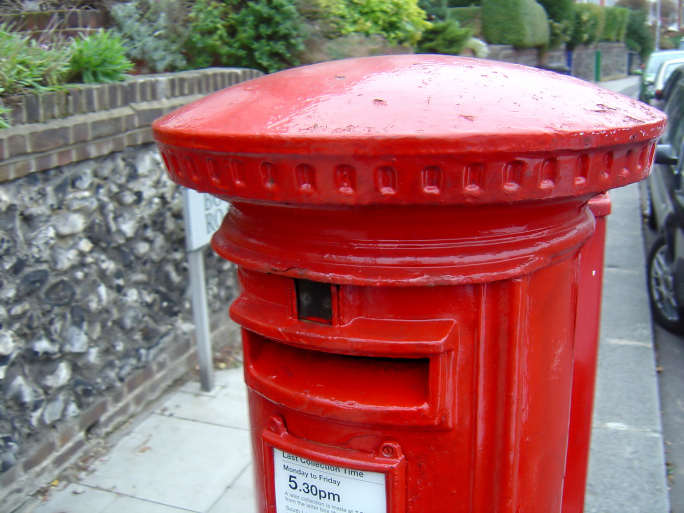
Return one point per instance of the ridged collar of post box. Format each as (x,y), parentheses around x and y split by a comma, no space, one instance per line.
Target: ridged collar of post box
(409,169)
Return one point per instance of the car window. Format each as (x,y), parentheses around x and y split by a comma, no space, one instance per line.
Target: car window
(675,117)
(674,78)
(657,59)
(670,68)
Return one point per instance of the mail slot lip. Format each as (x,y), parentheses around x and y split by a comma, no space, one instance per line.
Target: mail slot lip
(361,336)
(281,373)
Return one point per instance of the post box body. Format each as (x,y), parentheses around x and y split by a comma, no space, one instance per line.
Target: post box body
(468,384)
(585,359)
(409,238)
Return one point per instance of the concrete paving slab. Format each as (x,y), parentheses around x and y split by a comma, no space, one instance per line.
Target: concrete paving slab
(212,408)
(239,497)
(625,312)
(621,396)
(177,462)
(123,504)
(88,500)
(628,478)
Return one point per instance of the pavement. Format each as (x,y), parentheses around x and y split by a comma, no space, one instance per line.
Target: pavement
(190,452)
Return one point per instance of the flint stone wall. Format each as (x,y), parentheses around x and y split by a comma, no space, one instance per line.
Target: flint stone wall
(95,314)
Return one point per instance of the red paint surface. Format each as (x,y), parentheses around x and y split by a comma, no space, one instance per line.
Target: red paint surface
(445,201)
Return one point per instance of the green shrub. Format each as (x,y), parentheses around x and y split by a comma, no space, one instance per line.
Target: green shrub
(616,24)
(398,21)
(97,59)
(265,44)
(521,23)
(446,37)
(211,29)
(262,34)
(153,32)
(26,64)
(587,25)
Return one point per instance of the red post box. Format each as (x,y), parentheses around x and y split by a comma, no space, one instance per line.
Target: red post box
(409,232)
(585,356)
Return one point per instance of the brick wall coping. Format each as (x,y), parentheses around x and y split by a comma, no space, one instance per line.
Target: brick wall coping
(63,22)
(58,128)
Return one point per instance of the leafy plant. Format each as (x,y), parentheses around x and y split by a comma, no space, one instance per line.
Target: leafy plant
(27,64)
(153,32)
(446,37)
(98,58)
(559,33)
(262,34)
(4,123)
(398,21)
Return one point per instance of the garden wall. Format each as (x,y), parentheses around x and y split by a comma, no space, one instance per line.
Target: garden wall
(95,316)
(614,59)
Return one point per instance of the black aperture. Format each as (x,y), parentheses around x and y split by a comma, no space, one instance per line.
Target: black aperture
(314,301)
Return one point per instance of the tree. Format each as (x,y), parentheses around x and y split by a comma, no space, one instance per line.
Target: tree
(635,5)
(668,10)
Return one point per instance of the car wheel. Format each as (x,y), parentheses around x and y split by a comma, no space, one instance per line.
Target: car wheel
(661,288)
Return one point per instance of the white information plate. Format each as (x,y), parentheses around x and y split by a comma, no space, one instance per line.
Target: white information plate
(203,216)
(304,486)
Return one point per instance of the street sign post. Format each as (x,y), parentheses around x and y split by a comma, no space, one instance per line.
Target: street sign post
(203,215)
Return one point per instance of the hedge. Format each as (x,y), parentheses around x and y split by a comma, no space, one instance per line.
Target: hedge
(587,25)
(558,10)
(521,23)
(616,24)
(464,3)
(465,15)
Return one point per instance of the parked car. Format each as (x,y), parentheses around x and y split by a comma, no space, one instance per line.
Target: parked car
(676,76)
(646,90)
(665,261)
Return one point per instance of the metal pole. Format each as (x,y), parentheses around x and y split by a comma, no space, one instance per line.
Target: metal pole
(657,34)
(200,313)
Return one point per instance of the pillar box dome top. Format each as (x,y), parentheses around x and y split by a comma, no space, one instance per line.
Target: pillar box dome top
(409,129)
